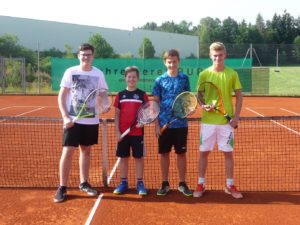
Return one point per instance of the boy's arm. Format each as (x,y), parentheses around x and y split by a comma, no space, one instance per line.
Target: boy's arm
(117,123)
(157,127)
(62,99)
(238,107)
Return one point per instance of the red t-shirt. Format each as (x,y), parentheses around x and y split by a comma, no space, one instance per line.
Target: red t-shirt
(128,102)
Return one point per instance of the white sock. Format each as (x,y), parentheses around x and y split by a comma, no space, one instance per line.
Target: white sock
(229,182)
(201,180)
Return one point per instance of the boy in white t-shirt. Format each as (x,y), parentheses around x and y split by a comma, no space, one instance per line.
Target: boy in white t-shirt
(77,82)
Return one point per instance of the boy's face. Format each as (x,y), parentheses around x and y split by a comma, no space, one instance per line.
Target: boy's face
(172,64)
(86,58)
(131,79)
(218,57)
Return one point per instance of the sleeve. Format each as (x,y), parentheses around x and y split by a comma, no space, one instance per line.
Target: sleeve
(146,97)
(187,83)
(117,100)
(236,82)
(66,80)
(102,81)
(156,91)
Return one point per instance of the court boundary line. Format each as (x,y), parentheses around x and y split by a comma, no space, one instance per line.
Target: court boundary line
(95,207)
(283,109)
(273,121)
(91,215)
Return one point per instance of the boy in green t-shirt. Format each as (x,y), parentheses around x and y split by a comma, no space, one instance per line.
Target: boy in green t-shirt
(215,127)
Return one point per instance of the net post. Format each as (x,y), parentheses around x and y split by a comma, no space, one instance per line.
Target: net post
(104,152)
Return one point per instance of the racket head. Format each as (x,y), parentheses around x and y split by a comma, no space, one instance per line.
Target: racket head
(148,112)
(212,96)
(184,104)
(87,108)
(105,100)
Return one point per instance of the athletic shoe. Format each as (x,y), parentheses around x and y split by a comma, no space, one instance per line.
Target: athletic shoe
(121,189)
(233,191)
(184,189)
(141,190)
(199,191)
(60,194)
(87,188)
(165,188)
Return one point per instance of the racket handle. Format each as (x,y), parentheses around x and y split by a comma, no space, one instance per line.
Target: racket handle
(163,128)
(229,119)
(124,134)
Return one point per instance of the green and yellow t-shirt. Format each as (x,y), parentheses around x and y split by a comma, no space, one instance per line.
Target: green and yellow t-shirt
(227,81)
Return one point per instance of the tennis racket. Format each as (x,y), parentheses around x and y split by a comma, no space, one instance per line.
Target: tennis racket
(87,108)
(184,104)
(146,114)
(210,89)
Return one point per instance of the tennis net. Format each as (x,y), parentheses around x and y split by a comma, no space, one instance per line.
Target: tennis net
(267,155)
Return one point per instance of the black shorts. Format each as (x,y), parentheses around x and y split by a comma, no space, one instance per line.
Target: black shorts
(134,142)
(81,134)
(176,137)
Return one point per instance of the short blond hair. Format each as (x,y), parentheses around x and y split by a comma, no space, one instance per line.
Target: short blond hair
(217,46)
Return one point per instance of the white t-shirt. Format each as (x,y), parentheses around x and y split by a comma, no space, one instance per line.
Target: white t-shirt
(81,83)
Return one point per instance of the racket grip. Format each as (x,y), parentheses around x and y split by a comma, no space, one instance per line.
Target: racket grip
(124,134)
(163,128)
(229,119)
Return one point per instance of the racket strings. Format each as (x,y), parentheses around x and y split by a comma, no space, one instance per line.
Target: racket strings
(148,112)
(184,105)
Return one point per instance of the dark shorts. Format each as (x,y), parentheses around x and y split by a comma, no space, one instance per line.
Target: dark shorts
(81,134)
(176,137)
(136,143)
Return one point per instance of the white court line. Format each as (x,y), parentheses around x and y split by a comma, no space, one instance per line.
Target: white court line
(90,218)
(30,111)
(113,170)
(297,114)
(273,121)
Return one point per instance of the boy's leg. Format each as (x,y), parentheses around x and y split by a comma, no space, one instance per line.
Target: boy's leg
(164,165)
(84,162)
(139,164)
(181,166)
(65,164)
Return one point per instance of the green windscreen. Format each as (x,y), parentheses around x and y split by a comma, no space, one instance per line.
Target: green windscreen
(149,70)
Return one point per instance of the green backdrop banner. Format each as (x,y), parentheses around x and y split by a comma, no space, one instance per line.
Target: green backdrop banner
(149,70)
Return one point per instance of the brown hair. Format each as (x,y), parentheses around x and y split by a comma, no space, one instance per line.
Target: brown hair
(86,46)
(130,69)
(171,53)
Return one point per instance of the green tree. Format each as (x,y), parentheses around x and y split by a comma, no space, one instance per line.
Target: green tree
(146,49)
(102,48)
(69,52)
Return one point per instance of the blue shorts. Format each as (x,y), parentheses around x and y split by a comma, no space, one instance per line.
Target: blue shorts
(176,137)
(81,134)
(134,142)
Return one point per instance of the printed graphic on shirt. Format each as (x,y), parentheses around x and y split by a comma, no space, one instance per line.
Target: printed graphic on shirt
(82,86)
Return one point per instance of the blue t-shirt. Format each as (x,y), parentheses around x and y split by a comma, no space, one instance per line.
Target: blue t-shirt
(167,88)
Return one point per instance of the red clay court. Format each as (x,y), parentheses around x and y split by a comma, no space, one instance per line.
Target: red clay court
(267,161)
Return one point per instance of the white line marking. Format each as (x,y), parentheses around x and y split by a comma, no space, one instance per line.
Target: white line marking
(273,121)
(297,114)
(30,111)
(113,170)
(89,220)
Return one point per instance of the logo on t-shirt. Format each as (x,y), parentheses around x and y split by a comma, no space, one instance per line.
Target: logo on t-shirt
(135,96)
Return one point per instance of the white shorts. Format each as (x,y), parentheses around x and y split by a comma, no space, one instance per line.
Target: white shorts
(211,134)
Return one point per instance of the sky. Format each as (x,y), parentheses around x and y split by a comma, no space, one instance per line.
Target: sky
(129,14)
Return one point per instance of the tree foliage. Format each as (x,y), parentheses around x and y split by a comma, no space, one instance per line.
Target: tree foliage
(146,49)
(102,48)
